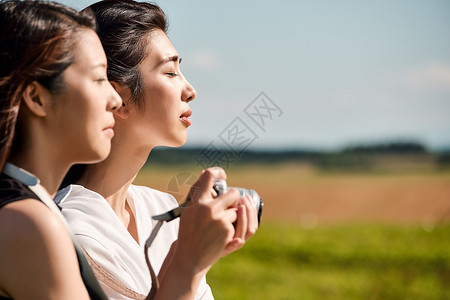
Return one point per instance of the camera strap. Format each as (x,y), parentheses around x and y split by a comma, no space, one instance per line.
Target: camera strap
(165,217)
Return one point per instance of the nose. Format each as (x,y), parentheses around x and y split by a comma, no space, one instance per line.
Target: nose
(189,93)
(114,100)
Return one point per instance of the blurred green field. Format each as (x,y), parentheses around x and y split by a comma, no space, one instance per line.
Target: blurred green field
(397,252)
(337,262)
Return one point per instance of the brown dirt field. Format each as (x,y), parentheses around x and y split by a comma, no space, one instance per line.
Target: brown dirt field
(300,194)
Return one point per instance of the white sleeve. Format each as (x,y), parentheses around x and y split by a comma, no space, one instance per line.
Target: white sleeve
(204,291)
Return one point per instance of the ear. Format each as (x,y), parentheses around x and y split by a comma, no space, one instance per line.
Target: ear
(125,93)
(37,98)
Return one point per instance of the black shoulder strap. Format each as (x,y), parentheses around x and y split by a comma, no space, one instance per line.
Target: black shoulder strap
(88,276)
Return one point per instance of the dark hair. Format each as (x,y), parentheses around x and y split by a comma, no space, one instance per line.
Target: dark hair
(36,44)
(123,27)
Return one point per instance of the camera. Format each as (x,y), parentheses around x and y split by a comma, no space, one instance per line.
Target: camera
(220,186)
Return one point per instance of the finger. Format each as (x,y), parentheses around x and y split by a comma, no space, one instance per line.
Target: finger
(233,245)
(204,185)
(208,176)
(230,216)
(241,222)
(215,173)
(252,216)
(229,199)
(218,173)
(195,193)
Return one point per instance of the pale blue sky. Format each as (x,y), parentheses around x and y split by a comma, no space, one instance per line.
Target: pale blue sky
(340,71)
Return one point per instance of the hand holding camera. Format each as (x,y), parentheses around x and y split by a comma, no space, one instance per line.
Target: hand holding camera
(215,222)
(212,226)
(220,187)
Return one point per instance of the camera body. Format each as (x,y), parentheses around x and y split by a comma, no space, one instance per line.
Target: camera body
(220,186)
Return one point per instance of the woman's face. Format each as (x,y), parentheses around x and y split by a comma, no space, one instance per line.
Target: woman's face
(163,118)
(83,120)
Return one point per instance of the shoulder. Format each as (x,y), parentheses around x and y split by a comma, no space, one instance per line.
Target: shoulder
(85,211)
(29,220)
(78,203)
(29,224)
(74,191)
(12,190)
(33,239)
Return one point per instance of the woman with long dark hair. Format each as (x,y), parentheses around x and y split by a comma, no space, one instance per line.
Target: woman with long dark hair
(56,109)
(112,217)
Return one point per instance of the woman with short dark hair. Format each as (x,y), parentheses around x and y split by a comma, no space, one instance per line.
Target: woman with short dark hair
(111,216)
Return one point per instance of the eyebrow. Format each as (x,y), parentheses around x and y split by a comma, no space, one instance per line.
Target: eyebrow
(174,58)
(99,65)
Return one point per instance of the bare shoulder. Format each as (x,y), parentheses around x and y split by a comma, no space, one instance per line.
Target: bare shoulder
(29,221)
(36,249)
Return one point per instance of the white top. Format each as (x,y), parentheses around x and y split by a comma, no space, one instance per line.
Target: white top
(118,260)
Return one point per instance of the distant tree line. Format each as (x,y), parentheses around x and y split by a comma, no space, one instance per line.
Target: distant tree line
(363,156)
(388,148)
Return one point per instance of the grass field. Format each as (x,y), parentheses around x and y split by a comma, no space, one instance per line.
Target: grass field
(383,235)
(337,262)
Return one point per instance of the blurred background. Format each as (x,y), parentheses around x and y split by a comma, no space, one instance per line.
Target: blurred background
(341,71)
(338,114)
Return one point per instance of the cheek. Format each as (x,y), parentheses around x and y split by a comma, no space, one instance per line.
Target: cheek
(94,103)
(89,118)
(161,116)
(160,103)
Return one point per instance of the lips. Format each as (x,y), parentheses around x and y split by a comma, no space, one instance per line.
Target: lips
(109,129)
(185,117)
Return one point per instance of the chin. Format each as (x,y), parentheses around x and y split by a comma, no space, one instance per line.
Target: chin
(90,160)
(103,156)
(100,155)
(175,143)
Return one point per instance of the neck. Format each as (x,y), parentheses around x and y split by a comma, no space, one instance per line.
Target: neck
(112,177)
(47,168)
(39,151)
